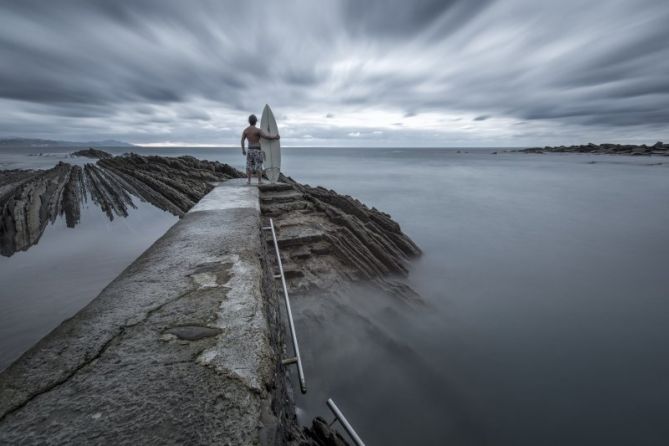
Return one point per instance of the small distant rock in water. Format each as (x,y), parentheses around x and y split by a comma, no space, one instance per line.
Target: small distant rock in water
(659,148)
(92,153)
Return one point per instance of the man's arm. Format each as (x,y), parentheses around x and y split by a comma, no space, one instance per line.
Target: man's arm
(243,139)
(266,135)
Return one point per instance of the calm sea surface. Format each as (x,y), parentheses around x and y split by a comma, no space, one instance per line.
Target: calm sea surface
(545,279)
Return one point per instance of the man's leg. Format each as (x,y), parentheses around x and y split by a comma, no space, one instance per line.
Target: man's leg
(260,176)
(248,176)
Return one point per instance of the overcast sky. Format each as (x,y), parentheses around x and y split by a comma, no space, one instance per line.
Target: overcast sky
(360,73)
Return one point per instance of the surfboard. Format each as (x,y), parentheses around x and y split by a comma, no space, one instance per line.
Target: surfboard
(270,147)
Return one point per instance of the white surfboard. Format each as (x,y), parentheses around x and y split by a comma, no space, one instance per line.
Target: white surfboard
(270,147)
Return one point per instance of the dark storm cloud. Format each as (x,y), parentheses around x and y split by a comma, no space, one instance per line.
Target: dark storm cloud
(623,55)
(399,19)
(111,52)
(161,67)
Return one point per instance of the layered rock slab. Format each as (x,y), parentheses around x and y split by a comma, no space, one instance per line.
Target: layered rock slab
(31,199)
(328,239)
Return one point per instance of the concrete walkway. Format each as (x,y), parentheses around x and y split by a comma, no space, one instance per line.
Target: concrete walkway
(176,350)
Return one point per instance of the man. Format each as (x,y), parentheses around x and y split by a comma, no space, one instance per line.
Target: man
(254,158)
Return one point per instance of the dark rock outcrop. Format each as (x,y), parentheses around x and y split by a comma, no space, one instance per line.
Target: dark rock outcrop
(172,184)
(321,434)
(92,153)
(30,199)
(659,148)
(328,240)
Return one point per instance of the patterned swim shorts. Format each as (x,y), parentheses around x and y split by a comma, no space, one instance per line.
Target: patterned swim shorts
(254,159)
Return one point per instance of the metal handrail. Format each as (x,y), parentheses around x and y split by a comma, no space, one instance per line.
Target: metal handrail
(297,359)
(344,422)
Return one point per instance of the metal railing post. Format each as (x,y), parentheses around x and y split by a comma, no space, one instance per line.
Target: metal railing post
(344,422)
(296,348)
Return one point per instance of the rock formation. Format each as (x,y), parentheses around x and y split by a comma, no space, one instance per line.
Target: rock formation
(92,153)
(321,434)
(659,148)
(327,240)
(30,199)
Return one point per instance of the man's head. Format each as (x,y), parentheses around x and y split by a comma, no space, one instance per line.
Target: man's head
(253,119)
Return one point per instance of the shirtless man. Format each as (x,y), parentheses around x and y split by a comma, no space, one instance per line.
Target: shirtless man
(254,158)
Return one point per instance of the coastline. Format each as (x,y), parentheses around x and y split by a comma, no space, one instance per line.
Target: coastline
(659,148)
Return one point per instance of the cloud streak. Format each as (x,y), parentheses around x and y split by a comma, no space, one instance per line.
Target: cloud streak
(428,72)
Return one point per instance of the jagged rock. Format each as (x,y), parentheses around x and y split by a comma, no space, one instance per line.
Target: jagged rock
(321,434)
(73,195)
(336,239)
(327,238)
(92,153)
(28,203)
(30,199)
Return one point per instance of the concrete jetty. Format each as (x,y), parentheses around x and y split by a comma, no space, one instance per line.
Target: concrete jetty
(182,348)
(186,345)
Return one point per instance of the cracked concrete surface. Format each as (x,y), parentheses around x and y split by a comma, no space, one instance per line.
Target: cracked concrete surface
(176,350)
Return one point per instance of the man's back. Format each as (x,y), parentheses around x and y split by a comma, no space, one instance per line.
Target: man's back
(253,134)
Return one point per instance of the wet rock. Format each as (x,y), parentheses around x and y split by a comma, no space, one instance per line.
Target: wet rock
(335,239)
(73,196)
(107,192)
(321,434)
(92,153)
(172,184)
(30,199)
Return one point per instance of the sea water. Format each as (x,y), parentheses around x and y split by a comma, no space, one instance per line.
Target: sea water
(544,278)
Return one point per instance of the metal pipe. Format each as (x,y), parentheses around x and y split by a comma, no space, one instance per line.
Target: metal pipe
(291,324)
(344,422)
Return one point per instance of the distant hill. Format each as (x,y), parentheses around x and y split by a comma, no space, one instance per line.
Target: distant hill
(34,142)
